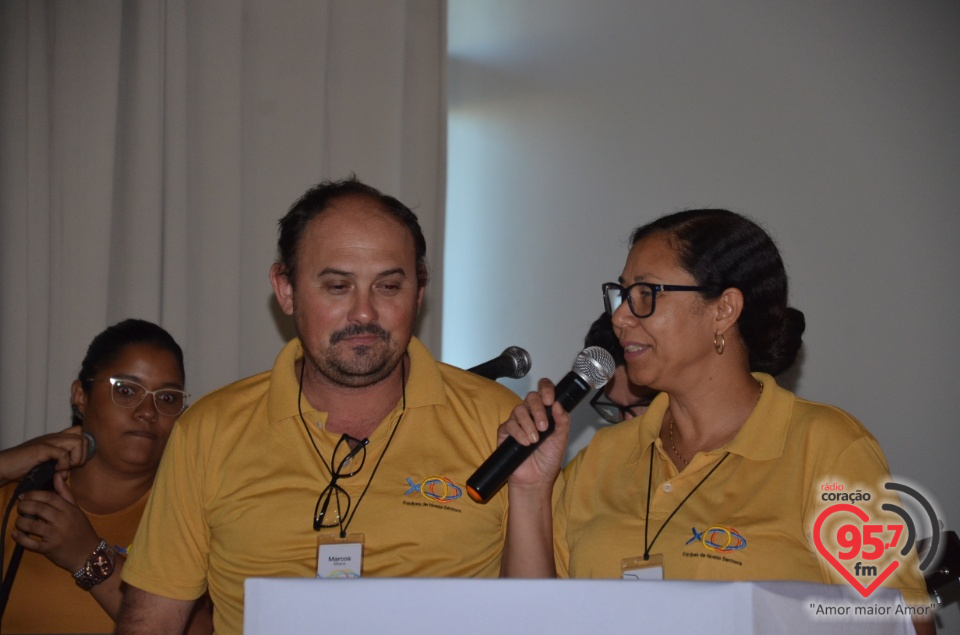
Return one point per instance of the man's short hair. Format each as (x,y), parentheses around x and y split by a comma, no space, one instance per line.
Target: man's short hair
(318,199)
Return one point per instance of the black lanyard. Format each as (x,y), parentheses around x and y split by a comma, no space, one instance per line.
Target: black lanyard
(646,525)
(403,410)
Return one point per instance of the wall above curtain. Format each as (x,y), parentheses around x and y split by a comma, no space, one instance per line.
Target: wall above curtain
(149,149)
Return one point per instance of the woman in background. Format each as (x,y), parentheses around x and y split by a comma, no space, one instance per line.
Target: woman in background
(619,399)
(128,395)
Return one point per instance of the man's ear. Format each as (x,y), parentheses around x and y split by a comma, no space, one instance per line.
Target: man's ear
(282,287)
(728,308)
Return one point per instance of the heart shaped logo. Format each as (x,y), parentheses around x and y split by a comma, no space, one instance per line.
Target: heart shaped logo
(862,515)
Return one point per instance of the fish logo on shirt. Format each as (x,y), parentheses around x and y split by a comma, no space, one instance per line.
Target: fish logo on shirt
(719,538)
(438,489)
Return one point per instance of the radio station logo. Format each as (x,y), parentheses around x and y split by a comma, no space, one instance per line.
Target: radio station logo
(866,544)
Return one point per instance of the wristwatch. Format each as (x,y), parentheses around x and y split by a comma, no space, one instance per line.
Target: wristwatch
(97,568)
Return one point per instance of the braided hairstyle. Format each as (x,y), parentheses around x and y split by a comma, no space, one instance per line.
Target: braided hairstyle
(722,250)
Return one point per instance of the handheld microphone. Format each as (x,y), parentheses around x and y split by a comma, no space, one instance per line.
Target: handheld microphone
(41,477)
(592,369)
(513,362)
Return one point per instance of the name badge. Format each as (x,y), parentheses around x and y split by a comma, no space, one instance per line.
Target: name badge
(640,569)
(339,558)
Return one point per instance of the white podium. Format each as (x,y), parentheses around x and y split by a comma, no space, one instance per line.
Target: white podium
(500,607)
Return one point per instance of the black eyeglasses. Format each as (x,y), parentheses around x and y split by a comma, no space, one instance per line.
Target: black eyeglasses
(613,412)
(338,470)
(641,297)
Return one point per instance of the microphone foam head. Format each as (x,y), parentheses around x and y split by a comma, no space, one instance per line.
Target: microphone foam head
(521,361)
(595,365)
(91,445)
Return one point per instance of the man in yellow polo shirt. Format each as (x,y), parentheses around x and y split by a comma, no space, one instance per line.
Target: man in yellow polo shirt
(348,458)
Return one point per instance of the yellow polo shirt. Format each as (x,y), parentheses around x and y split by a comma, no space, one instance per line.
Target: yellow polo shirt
(751,519)
(236,490)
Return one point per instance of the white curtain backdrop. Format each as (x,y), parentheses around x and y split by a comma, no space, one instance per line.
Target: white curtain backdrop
(148,148)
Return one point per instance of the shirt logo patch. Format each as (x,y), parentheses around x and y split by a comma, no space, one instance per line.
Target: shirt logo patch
(719,538)
(438,489)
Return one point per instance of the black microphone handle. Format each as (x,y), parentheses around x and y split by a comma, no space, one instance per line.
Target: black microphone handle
(497,367)
(508,456)
(40,477)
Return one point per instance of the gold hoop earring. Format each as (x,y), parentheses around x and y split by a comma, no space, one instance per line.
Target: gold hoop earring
(719,346)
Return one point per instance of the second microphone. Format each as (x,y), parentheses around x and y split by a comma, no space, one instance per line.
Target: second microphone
(592,369)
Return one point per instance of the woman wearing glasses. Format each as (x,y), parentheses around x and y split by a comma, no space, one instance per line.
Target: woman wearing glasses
(722,478)
(619,399)
(127,396)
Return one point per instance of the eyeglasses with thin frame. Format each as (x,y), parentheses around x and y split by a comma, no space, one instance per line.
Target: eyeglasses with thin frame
(613,412)
(129,394)
(641,297)
(333,492)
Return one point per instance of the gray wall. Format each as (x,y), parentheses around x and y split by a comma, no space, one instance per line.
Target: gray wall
(834,124)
